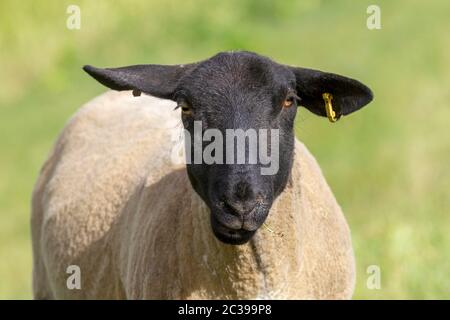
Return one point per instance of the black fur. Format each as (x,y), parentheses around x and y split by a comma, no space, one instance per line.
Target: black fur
(239,90)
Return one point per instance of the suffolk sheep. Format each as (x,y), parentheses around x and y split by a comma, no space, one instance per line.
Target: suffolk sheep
(112,201)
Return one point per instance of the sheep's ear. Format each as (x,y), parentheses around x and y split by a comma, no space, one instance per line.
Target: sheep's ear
(348,95)
(156,80)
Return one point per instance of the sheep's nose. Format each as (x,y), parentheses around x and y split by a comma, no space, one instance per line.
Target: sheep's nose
(242,199)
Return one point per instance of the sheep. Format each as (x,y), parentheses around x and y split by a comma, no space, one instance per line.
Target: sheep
(111,200)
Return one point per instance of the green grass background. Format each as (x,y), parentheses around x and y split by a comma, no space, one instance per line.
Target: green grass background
(387,164)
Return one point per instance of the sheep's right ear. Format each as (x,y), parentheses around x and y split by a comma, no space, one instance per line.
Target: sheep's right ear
(157,80)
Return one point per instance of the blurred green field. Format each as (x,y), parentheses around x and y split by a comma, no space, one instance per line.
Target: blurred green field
(387,164)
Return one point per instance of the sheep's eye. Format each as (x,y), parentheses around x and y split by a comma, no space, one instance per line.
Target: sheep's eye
(185,108)
(288,102)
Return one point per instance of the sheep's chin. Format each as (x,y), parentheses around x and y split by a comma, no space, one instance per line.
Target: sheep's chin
(230,236)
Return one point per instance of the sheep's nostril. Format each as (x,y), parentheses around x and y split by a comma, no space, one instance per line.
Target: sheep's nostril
(239,200)
(243,190)
(240,208)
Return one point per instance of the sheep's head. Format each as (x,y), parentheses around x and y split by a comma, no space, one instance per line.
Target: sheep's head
(238,111)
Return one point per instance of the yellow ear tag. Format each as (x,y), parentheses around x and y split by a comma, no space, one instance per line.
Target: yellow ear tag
(327,97)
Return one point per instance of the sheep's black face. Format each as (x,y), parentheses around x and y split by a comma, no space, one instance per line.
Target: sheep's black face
(234,98)
(238,111)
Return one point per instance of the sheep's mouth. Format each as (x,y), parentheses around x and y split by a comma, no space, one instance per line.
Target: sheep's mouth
(228,235)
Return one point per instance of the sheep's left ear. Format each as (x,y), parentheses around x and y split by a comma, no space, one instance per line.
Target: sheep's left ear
(348,95)
(157,80)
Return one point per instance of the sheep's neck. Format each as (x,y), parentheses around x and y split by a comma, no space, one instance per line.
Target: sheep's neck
(262,268)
